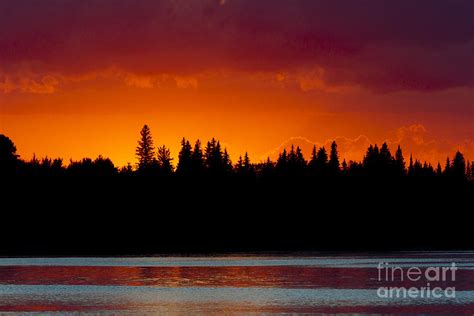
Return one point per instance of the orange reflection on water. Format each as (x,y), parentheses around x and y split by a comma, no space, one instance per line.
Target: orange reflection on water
(213,276)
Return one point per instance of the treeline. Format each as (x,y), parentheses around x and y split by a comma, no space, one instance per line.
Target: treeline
(213,161)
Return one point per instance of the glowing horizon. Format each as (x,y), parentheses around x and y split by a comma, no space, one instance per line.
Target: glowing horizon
(80,79)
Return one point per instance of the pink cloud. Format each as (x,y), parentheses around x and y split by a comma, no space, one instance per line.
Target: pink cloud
(363,45)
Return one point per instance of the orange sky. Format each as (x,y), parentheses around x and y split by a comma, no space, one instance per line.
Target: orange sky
(88,87)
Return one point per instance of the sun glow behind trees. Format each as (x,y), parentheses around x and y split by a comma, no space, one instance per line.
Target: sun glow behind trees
(214,161)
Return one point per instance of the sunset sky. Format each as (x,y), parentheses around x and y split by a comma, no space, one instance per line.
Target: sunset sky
(80,77)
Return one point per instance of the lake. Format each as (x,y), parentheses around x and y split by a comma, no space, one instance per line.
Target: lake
(298,283)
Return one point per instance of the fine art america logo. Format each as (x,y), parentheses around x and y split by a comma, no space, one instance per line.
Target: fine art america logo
(416,282)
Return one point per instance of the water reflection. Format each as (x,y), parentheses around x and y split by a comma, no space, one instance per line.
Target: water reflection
(213,285)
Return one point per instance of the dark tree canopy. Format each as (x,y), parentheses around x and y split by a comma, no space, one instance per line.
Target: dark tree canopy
(214,162)
(8,156)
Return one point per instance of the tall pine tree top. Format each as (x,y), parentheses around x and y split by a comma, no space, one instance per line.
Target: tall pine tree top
(145,151)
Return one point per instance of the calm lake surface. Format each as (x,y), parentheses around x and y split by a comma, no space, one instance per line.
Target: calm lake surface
(317,283)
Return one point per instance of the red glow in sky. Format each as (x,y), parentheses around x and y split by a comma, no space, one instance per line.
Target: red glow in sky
(80,78)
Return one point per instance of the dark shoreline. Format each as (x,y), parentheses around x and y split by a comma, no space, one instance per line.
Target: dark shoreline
(143,217)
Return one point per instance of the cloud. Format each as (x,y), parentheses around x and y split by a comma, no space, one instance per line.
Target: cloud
(414,133)
(414,140)
(39,84)
(316,80)
(7,85)
(186,82)
(139,81)
(26,81)
(362,43)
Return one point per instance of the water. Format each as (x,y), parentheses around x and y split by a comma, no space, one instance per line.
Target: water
(246,284)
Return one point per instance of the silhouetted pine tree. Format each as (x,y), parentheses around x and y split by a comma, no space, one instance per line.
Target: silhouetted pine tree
(247,165)
(267,169)
(240,165)
(385,154)
(296,164)
(322,162)
(356,169)
(227,163)
(400,162)
(344,167)
(8,158)
(197,160)
(333,164)
(185,158)
(164,161)
(313,161)
(217,162)
(126,170)
(447,168)
(371,161)
(428,170)
(439,171)
(282,163)
(300,161)
(386,163)
(244,169)
(211,159)
(145,151)
(417,168)
(411,167)
(33,165)
(292,157)
(458,169)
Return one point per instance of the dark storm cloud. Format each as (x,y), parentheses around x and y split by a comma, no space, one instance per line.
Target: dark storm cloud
(380,45)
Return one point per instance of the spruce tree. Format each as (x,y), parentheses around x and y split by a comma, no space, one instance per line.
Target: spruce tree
(312,161)
(400,162)
(333,163)
(439,171)
(197,159)
(184,158)
(447,167)
(282,163)
(322,162)
(145,151)
(226,163)
(411,167)
(164,160)
(458,169)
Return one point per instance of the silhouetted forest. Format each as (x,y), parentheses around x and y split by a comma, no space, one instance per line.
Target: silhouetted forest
(213,161)
(205,203)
